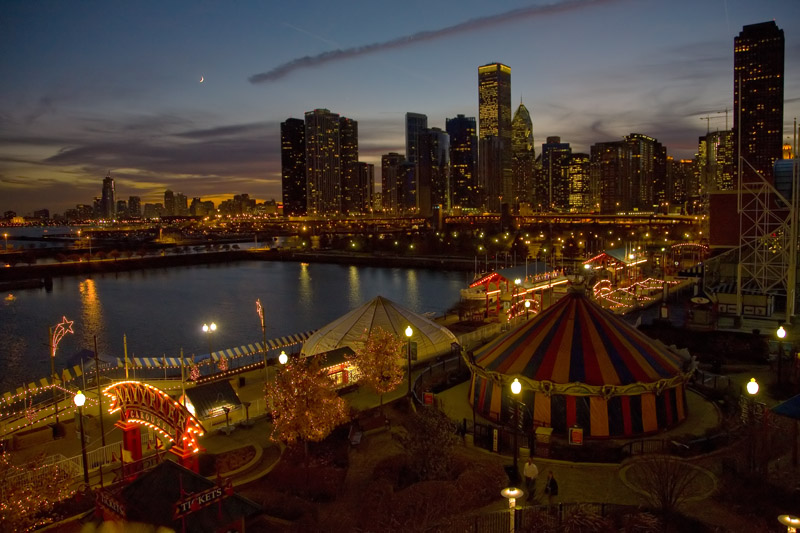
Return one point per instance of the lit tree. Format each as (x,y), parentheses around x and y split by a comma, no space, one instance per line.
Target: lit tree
(379,361)
(305,404)
(30,492)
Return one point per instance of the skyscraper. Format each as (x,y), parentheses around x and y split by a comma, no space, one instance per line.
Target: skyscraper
(108,202)
(293,167)
(523,156)
(555,156)
(415,123)
(169,203)
(323,163)
(433,171)
(463,161)
(348,161)
(494,132)
(758,64)
(391,185)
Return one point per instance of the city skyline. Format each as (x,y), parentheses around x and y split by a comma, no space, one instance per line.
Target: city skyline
(98,88)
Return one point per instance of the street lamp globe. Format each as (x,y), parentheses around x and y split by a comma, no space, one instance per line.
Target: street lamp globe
(209,328)
(516,386)
(409,332)
(79,399)
(283,358)
(781,333)
(752,386)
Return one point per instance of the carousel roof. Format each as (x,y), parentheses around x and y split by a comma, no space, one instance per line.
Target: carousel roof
(350,329)
(576,340)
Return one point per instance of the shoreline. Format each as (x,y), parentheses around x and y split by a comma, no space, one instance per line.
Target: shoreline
(32,276)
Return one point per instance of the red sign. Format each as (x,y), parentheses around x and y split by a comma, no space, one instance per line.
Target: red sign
(195,502)
(576,435)
(427,398)
(144,404)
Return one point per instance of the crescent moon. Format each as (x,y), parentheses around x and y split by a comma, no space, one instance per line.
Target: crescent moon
(201,79)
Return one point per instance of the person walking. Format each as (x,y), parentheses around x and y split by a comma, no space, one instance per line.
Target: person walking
(550,487)
(530,472)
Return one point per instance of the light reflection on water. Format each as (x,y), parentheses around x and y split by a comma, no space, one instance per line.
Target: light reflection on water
(162,311)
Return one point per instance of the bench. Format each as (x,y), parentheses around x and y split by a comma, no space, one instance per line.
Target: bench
(354,436)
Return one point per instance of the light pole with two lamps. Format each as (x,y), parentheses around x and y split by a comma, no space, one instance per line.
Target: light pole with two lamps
(209,329)
(79,400)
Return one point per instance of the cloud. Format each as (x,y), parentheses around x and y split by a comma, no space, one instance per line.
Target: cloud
(473,24)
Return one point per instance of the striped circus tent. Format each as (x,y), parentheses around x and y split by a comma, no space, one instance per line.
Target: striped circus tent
(580,365)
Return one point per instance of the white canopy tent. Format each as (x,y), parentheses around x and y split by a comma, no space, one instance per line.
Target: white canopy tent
(352,329)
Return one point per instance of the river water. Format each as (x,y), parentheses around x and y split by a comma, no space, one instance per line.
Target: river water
(162,311)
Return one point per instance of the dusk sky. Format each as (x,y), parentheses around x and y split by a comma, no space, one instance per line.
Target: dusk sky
(91,87)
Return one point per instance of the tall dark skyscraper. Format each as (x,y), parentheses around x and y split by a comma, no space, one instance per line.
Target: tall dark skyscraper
(391,182)
(108,202)
(415,123)
(293,166)
(758,64)
(169,203)
(323,163)
(348,161)
(494,132)
(555,157)
(463,161)
(433,171)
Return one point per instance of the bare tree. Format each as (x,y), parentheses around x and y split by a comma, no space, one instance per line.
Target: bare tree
(665,482)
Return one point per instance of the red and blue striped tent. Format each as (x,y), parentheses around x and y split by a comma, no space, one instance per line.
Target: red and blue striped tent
(580,365)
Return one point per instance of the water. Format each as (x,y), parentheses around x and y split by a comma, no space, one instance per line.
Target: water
(162,311)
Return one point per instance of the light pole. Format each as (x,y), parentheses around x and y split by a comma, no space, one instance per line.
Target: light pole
(79,400)
(5,236)
(409,332)
(752,390)
(517,283)
(516,388)
(781,334)
(527,308)
(209,329)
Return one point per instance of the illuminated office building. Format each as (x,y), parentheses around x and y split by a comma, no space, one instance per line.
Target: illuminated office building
(348,160)
(494,133)
(463,162)
(523,157)
(758,66)
(323,163)
(293,167)
(108,202)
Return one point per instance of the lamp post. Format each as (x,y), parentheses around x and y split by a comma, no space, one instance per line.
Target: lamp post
(79,400)
(409,332)
(752,390)
(283,358)
(5,236)
(209,329)
(516,388)
(527,308)
(517,283)
(781,334)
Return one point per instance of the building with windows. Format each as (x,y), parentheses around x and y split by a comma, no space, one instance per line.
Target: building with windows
(494,132)
(323,163)
(758,73)
(463,162)
(579,183)
(108,202)
(391,185)
(433,171)
(293,167)
(555,156)
(523,157)
(348,160)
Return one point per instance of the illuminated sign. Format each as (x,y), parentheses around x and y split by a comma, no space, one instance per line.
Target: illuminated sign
(144,404)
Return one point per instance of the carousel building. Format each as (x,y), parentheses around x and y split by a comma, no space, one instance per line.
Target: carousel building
(581,366)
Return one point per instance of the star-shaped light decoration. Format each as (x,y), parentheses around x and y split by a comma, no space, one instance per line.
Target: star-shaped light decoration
(59,331)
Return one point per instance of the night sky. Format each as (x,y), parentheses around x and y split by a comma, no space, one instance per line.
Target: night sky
(90,87)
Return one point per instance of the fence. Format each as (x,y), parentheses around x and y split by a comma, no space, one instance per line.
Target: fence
(528,517)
